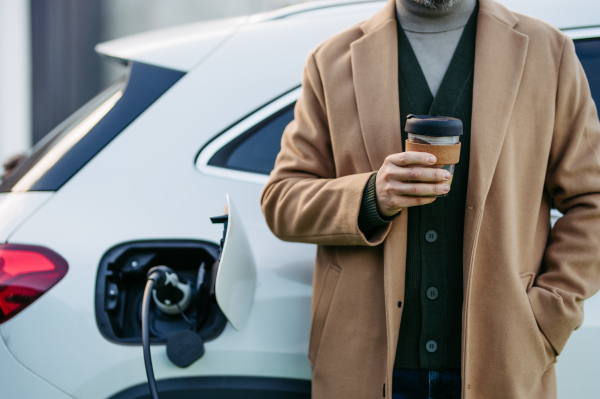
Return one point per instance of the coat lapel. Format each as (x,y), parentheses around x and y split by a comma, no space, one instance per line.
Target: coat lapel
(500,53)
(375,74)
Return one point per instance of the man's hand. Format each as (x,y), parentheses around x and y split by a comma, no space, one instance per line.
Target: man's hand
(408,179)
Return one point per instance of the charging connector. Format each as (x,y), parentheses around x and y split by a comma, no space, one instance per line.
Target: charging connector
(172,297)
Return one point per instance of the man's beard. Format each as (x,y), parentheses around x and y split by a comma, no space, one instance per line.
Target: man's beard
(438,4)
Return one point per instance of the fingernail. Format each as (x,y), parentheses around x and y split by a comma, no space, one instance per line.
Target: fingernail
(446,188)
(446,176)
(431,159)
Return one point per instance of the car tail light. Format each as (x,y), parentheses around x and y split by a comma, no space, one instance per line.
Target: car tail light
(26,273)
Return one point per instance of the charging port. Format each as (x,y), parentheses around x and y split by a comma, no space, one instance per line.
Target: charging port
(120,288)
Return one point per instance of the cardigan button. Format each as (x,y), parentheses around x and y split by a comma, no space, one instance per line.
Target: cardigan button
(432,293)
(431,236)
(431,346)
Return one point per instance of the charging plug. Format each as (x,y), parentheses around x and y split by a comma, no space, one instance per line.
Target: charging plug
(170,295)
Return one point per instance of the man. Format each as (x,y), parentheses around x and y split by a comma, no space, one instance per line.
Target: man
(471,295)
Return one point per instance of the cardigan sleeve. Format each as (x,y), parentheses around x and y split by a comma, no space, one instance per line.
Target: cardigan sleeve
(369,217)
(572,258)
(304,200)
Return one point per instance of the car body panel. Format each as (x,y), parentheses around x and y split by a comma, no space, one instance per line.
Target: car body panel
(560,13)
(321,7)
(20,383)
(15,208)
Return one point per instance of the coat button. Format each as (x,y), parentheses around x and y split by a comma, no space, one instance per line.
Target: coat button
(431,346)
(432,293)
(431,236)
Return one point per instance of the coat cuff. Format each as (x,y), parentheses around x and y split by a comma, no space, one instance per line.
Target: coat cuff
(369,217)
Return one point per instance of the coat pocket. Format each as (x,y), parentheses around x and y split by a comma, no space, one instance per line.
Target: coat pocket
(527,279)
(323,304)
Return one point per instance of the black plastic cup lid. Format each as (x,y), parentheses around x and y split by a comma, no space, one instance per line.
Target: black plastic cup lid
(437,126)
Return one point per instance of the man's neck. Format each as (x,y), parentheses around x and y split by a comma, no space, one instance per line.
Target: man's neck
(416,17)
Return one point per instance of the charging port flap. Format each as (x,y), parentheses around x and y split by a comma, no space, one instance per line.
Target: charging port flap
(236,275)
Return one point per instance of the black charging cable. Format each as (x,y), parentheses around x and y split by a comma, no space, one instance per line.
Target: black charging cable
(157,276)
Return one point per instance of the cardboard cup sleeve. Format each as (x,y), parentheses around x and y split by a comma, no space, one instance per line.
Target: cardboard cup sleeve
(445,154)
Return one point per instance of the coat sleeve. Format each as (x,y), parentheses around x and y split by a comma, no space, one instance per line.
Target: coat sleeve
(571,269)
(304,200)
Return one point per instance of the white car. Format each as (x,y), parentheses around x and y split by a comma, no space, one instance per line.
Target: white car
(131,180)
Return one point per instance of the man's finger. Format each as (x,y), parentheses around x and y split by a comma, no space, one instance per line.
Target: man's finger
(412,158)
(417,201)
(417,173)
(421,189)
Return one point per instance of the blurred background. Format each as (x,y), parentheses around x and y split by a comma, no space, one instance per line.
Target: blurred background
(48,67)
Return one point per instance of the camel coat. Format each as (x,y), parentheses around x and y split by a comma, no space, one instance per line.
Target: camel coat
(535,140)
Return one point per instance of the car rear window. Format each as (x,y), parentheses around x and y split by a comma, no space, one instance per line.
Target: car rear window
(73,143)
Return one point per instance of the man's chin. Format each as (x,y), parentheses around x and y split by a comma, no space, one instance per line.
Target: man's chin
(438,4)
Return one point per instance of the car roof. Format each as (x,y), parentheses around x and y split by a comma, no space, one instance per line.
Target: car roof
(183,47)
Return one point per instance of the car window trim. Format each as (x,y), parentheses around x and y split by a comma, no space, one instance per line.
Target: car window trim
(583,33)
(236,130)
